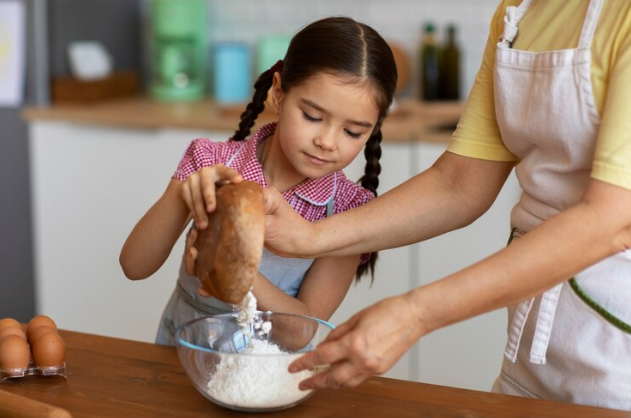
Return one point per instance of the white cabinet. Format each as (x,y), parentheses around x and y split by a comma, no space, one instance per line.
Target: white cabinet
(468,354)
(90,186)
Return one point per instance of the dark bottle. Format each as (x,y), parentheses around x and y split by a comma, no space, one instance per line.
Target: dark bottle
(429,65)
(450,67)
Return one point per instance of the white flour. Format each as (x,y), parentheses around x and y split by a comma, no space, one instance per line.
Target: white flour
(260,378)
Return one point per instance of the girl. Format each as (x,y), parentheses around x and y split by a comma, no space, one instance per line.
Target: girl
(331,94)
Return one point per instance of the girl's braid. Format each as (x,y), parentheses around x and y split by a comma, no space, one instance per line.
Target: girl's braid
(255,107)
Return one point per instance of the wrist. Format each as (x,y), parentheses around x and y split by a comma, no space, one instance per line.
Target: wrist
(314,242)
(421,310)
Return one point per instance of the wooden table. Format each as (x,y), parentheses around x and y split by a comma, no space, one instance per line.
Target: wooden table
(116,378)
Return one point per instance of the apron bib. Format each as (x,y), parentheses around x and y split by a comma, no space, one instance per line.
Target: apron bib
(573,342)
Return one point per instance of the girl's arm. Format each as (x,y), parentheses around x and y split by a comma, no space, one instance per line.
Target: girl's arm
(321,293)
(451,194)
(152,239)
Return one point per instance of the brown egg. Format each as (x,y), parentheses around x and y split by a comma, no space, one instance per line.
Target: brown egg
(37,322)
(14,353)
(38,332)
(12,331)
(9,323)
(49,350)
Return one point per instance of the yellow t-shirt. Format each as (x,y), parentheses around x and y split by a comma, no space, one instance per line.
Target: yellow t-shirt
(553,25)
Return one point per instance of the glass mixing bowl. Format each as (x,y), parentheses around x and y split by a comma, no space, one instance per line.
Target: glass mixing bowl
(245,369)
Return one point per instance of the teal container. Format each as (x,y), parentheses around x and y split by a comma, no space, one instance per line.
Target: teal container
(178,49)
(232,81)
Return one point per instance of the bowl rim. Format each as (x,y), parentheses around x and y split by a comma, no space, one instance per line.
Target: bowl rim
(180,342)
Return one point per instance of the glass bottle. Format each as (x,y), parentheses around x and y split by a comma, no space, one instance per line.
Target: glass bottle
(450,67)
(429,65)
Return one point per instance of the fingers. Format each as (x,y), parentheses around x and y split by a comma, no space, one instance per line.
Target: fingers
(203,292)
(190,254)
(207,190)
(224,174)
(199,190)
(272,196)
(192,195)
(325,353)
(340,331)
(341,375)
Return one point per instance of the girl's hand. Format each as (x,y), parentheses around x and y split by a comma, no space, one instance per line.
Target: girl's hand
(286,232)
(198,190)
(367,344)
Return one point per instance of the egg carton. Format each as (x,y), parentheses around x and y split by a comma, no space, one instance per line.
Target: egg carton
(34,370)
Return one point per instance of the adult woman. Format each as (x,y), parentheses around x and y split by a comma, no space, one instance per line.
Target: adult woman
(553,102)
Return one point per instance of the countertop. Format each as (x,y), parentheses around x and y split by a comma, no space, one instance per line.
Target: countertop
(109,377)
(410,120)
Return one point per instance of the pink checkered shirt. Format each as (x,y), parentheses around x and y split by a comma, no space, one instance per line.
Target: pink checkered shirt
(309,198)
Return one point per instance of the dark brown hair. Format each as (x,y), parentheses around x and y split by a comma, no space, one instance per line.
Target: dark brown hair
(339,46)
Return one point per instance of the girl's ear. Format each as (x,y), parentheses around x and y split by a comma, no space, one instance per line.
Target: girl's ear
(276,93)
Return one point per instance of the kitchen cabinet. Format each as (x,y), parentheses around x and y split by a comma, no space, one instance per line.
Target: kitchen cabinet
(467,354)
(90,186)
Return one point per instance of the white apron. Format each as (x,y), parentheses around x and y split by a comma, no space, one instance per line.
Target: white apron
(573,343)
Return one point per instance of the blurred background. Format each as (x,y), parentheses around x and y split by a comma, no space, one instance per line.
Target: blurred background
(66,64)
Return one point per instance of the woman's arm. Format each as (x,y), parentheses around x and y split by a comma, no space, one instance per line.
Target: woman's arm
(373,340)
(451,194)
(598,227)
(322,290)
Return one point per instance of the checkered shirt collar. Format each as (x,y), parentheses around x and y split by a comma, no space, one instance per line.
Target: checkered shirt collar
(318,191)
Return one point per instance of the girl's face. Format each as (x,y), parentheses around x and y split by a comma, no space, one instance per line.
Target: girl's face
(323,123)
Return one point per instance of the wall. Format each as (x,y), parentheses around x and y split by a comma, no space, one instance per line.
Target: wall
(16,258)
(398,20)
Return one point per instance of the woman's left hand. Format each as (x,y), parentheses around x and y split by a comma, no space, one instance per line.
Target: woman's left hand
(368,344)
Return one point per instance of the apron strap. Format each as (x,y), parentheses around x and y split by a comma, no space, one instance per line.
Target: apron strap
(511,20)
(516,329)
(330,204)
(590,23)
(545,320)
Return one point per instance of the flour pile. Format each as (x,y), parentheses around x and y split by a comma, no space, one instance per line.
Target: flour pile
(258,379)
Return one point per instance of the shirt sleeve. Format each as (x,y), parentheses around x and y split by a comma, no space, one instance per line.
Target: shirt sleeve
(478,134)
(200,153)
(612,158)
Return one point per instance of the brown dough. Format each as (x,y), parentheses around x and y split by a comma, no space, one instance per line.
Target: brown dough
(229,250)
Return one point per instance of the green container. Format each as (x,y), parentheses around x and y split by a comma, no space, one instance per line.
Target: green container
(178,49)
(271,49)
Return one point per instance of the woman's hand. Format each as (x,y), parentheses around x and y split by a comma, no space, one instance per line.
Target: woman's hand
(367,344)
(198,190)
(286,232)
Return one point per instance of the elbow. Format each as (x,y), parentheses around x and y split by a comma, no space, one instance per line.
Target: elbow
(130,269)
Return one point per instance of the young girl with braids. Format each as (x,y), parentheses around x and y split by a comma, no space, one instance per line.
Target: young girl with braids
(331,94)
